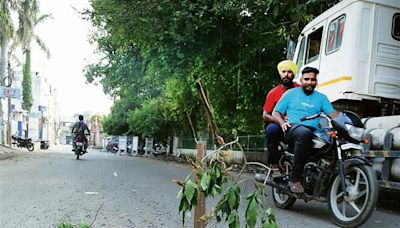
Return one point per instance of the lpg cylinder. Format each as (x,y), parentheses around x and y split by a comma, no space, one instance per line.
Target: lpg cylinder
(384,122)
(395,170)
(378,138)
(377,164)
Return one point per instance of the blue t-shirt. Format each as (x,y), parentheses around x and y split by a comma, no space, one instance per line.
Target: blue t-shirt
(296,105)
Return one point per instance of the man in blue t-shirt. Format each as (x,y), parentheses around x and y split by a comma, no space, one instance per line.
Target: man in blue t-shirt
(298,103)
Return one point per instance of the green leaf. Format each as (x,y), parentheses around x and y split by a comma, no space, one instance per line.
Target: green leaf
(268,220)
(190,189)
(179,194)
(217,172)
(219,219)
(83,224)
(269,224)
(252,210)
(232,200)
(233,219)
(65,225)
(183,205)
(215,190)
(205,181)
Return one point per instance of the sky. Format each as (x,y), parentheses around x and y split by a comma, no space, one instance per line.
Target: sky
(66,36)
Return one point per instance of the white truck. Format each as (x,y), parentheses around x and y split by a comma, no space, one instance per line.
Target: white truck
(356,46)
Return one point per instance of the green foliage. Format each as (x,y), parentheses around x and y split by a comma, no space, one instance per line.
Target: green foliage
(64,224)
(147,120)
(28,18)
(188,197)
(228,205)
(116,123)
(27,100)
(156,50)
(213,181)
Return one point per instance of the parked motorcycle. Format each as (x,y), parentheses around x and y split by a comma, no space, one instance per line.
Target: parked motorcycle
(79,146)
(112,145)
(129,148)
(159,149)
(23,142)
(332,174)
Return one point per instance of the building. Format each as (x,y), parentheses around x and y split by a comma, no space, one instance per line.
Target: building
(42,122)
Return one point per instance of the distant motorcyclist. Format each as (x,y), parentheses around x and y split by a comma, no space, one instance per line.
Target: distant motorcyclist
(79,129)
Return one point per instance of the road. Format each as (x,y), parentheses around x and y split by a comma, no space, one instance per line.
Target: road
(43,188)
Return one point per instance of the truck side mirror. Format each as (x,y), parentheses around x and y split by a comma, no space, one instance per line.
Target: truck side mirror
(290,48)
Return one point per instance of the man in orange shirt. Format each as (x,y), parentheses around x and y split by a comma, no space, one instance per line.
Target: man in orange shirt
(274,134)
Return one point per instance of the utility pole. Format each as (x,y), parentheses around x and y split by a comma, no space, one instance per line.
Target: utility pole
(1,109)
(9,122)
(8,83)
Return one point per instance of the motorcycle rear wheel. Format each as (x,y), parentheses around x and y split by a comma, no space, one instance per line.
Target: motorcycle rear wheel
(354,209)
(30,146)
(281,199)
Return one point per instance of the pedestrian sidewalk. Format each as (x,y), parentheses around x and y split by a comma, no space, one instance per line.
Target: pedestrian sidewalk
(7,152)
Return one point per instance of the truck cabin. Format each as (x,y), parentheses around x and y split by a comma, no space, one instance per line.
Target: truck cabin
(356,46)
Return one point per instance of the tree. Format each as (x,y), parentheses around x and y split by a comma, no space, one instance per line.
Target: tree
(7,32)
(232,46)
(28,19)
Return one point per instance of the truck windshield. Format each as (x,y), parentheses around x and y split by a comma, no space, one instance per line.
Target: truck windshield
(314,44)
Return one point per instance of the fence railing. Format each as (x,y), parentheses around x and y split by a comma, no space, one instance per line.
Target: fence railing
(249,143)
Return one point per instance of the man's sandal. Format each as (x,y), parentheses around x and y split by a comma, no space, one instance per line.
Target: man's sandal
(296,187)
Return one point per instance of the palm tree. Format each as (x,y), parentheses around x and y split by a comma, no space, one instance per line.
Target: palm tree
(7,32)
(28,19)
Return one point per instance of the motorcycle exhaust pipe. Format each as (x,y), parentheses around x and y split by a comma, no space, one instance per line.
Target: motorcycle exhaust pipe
(261,178)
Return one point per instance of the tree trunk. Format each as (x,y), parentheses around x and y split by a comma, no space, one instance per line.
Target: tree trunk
(27,83)
(3,72)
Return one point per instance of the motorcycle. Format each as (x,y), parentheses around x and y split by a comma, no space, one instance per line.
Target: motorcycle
(159,149)
(129,148)
(332,173)
(23,142)
(112,146)
(79,146)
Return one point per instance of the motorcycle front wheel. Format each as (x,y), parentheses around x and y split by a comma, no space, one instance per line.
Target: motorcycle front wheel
(30,146)
(353,208)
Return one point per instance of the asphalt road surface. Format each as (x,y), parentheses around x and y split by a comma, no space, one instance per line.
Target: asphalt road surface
(44,188)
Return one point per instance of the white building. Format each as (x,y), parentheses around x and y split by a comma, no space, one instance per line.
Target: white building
(42,122)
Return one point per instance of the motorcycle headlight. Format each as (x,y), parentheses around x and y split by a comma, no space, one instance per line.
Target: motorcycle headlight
(356,133)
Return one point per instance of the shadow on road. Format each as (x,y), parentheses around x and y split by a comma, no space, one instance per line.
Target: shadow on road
(389,200)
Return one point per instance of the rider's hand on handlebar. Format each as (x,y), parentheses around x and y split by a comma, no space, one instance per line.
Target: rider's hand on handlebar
(285,125)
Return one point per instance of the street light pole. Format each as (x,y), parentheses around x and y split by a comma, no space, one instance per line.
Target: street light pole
(10,74)
(9,122)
